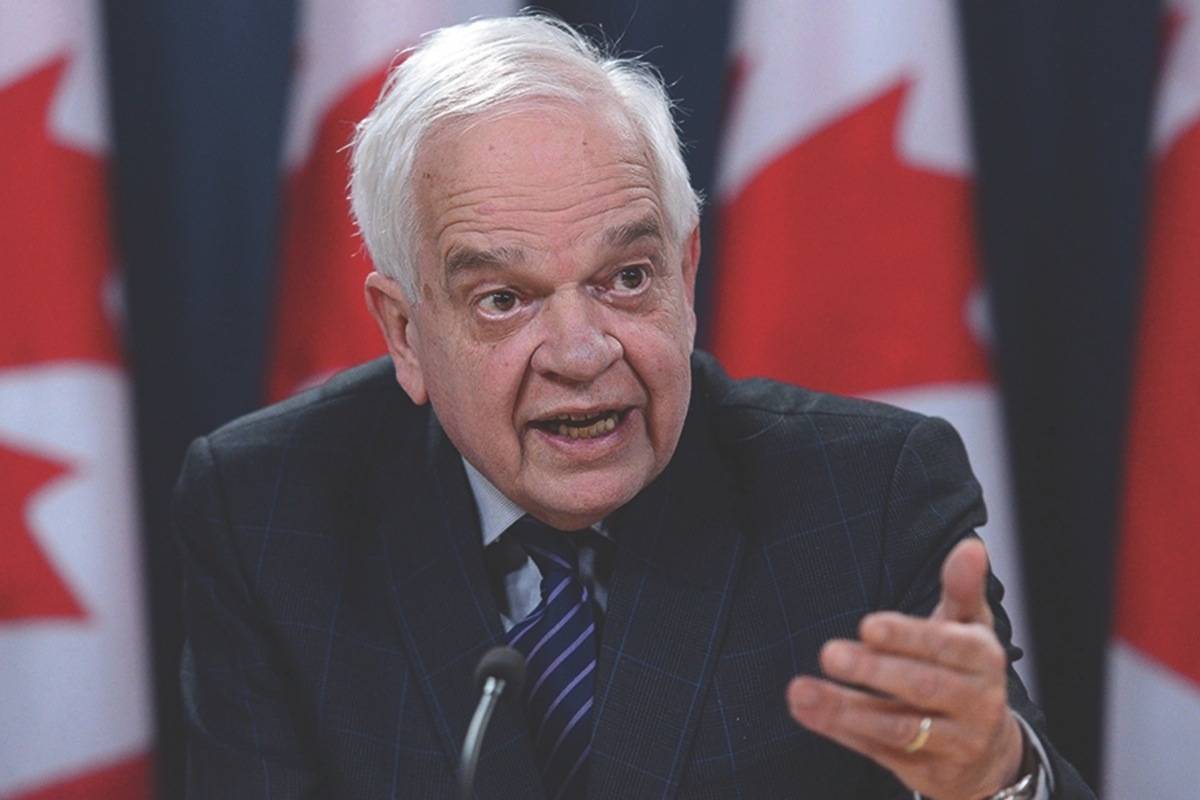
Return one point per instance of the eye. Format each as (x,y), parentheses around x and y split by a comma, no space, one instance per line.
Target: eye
(631,279)
(498,303)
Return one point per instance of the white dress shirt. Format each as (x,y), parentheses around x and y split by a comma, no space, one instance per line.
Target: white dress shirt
(522,584)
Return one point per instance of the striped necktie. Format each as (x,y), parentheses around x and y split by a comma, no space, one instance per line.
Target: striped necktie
(558,639)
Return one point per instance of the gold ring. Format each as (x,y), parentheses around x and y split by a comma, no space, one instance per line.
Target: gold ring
(922,736)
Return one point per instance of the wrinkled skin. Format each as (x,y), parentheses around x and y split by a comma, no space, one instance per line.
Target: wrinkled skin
(548,285)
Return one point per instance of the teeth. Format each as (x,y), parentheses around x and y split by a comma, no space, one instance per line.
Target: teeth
(574,417)
(601,426)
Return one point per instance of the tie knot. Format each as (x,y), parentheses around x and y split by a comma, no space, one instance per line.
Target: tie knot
(552,550)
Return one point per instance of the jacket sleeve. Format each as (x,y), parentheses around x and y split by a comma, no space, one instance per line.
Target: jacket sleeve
(243,737)
(933,503)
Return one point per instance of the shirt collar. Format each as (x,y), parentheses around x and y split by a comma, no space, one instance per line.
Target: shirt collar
(496,512)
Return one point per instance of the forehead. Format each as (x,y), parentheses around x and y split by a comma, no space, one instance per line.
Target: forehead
(534,170)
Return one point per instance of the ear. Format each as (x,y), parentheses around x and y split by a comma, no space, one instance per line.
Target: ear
(392,310)
(691,265)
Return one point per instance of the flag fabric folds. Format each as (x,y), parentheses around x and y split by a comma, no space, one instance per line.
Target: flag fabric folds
(1153,723)
(75,715)
(846,253)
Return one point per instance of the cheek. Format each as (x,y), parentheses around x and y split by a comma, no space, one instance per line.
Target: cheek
(661,359)
(667,416)
(674,315)
(488,380)
(473,369)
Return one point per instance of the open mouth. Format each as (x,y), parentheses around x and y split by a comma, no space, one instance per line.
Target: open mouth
(582,426)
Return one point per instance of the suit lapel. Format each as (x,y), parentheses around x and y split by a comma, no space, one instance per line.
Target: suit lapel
(428,530)
(678,553)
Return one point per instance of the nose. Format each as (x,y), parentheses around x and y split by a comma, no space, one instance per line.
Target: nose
(574,345)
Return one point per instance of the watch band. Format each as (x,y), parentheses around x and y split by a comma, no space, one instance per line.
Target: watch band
(1031,766)
(1023,789)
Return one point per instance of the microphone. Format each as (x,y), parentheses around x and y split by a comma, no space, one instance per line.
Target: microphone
(500,671)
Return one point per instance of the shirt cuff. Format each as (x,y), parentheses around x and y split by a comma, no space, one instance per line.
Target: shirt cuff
(1045,778)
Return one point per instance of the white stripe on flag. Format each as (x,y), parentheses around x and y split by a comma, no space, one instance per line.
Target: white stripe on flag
(1152,741)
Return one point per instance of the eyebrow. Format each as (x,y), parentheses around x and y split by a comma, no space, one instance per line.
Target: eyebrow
(463,258)
(625,235)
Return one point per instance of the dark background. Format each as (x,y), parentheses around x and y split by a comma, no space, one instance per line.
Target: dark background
(1060,94)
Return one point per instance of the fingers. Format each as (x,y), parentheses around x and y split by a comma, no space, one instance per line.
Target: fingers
(969,648)
(955,758)
(948,670)
(921,685)
(873,726)
(964,584)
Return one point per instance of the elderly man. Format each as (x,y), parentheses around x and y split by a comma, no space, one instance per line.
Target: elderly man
(544,461)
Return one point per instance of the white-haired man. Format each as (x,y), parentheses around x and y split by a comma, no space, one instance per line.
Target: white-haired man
(544,461)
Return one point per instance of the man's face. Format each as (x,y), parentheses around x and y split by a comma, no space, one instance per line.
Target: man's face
(555,320)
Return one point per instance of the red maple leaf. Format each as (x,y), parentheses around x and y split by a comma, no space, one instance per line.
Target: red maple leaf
(1158,595)
(321,321)
(30,588)
(53,234)
(845,269)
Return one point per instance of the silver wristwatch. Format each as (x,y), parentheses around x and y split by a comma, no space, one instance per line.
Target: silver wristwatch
(1031,765)
(1023,789)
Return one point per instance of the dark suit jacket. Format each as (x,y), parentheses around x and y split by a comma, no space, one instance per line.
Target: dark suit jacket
(336,600)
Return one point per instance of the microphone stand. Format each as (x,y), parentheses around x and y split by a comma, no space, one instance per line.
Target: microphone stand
(501,669)
(493,688)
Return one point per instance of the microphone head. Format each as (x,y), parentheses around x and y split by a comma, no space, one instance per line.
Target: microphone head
(505,664)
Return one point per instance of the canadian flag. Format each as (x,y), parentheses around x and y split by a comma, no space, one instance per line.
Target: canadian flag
(75,717)
(343,55)
(1152,746)
(846,252)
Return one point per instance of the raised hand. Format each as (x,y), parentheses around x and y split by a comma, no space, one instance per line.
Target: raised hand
(926,698)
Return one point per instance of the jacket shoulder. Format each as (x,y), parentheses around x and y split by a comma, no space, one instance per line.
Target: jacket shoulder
(790,449)
(748,410)
(302,464)
(346,403)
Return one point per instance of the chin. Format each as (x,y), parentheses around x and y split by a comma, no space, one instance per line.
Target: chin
(581,501)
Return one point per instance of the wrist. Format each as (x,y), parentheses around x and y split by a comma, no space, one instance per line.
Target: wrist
(1022,777)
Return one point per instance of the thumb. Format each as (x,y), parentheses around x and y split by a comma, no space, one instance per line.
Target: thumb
(964,581)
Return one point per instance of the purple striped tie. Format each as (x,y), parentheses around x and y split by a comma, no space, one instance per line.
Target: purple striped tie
(558,639)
